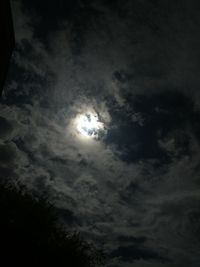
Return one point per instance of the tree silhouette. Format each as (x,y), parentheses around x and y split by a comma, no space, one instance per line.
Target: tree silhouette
(31,236)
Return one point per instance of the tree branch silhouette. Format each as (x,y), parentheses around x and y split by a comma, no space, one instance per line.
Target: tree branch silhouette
(30,234)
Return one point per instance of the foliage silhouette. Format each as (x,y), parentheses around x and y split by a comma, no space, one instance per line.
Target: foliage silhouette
(31,236)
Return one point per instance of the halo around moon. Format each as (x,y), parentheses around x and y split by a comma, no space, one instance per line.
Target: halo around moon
(88,125)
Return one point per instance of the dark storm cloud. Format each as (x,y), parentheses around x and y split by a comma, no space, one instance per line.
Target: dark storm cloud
(135,191)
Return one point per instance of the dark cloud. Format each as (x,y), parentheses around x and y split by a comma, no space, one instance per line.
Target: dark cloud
(7,153)
(135,190)
(79,15)
(185,215)
(5,128)
(168,113)
(132,253)
(67,216)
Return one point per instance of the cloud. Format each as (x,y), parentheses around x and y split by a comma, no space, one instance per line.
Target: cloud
(132,253)
(135,191)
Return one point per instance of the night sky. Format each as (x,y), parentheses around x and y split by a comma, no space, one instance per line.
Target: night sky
(100,112)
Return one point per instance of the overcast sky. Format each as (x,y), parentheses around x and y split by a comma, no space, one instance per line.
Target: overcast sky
(134,190)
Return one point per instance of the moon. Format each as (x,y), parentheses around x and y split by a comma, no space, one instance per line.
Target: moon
(88,125)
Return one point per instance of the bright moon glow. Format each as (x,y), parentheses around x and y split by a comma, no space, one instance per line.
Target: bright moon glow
(88,125)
